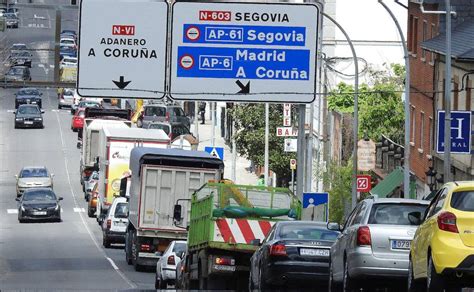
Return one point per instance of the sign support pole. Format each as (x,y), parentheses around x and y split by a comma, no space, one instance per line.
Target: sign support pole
(234,153)
(267,119)
(213,119)
(196,119)
(293,181)
(56,45)
(447,98)
(301,151)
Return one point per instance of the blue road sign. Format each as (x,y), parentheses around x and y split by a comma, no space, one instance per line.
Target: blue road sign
(314,199)
(256,52)
(460,132)
(215,151)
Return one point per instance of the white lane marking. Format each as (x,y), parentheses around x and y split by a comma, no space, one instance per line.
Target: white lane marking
(55,110)
(12,211)
(51,66)
(122,275)
(77,210)
(112,263)
(41,65)
(10,111)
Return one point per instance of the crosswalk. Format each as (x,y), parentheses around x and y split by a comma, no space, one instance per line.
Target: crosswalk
(75,210)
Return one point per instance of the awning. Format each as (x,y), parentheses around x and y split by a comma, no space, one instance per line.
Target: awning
(388,184)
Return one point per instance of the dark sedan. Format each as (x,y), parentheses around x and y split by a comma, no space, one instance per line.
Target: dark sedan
(39,204)
(28,96)
(22,58)
(28,115)
(18,73)
(295,253)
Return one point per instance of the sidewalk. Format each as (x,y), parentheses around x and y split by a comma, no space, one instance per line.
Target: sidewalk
(242,176)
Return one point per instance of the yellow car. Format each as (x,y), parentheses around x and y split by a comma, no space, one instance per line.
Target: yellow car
(442,251)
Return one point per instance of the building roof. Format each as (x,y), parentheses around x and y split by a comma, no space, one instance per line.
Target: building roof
(462,42)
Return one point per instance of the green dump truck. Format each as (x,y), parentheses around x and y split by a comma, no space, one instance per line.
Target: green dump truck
(227,222)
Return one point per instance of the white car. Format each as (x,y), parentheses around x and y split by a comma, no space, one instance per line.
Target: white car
(68,42)
(68,62)
(166,265)
(115,223)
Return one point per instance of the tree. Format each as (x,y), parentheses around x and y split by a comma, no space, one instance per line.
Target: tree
(250,138)
(380,104)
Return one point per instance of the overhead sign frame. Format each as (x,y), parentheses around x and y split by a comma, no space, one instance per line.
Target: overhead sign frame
(123,78)
(231,87)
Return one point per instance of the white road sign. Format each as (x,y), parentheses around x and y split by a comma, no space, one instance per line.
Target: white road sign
(122,49)
(244,52)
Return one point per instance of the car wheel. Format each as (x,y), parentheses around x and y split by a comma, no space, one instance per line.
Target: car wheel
(90,212)
(105,240)
(333,286)
(434,282)
(60,107)
(347,283)
(413,284)
(157,284)
(251,285)
(163,284)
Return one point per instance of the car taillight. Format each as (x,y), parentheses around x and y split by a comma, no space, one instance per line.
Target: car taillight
(145,247)
(109,223)
(447,222)
(363,236)
(171,260)
(278,250)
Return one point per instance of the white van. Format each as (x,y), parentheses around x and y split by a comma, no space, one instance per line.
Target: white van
(115,223)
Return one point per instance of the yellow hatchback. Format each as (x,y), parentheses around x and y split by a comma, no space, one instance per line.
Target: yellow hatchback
(442,251)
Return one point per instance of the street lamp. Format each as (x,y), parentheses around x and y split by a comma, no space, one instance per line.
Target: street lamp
(431,176)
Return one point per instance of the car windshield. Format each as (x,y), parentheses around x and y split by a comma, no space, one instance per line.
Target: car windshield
(67,41)
(81,114)
(10,15)
(394,214)
(463,201)
(34,172)
(29,110)
(39,195)
(121,210)
(16,71)
(69,93)
(28,91)
(310,231)
(179,247)
(163,127)
(19,47)
(20,54)
(155,111)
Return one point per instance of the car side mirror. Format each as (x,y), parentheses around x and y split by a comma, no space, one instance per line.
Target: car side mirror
(60,198)
(79,145)
(177,212)
(334,226)
(415,218)
(16,176)
(255,242)
(17,199)
(52,175)
(14,112)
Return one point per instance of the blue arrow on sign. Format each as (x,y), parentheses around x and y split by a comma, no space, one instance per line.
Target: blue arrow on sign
(215,151)
(460,132)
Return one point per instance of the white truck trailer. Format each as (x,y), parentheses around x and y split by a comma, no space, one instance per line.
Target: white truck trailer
(160,179)
(115,145)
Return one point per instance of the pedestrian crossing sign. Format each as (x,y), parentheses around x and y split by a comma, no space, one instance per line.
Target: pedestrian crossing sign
(215,151)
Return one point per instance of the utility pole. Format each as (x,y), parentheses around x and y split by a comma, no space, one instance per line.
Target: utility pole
(447,98)
(300,162)
(57,39)
(267,121)
(406,151)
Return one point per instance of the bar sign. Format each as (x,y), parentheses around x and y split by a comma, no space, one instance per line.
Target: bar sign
(123,29)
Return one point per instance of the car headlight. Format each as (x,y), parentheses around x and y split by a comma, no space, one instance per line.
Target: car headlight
(56,208)
(38,119)
(22,208)
(19,119)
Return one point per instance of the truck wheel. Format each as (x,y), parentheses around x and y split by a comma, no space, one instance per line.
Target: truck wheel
(136,266)
(128,254)
(202,280)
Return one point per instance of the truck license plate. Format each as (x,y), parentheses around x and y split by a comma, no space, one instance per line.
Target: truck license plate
(401,244)
(224,268)
(314,252)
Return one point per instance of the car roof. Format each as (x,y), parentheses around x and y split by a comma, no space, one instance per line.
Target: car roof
(397,201)
(28,88)
(34,167)
(38,189)
(302,222)
(19,66)
(28,105)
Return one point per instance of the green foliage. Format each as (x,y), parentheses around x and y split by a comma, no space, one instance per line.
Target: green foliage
(250,137)
(338,180)
(380,105)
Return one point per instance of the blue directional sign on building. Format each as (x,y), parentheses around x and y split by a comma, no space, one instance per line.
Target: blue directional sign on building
(460,132)
(215,151)
(244,51)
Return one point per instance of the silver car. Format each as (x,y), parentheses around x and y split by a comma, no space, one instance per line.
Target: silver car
(373,247)
(33,177)
(89,184)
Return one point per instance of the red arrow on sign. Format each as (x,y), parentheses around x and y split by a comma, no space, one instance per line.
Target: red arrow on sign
(363,183)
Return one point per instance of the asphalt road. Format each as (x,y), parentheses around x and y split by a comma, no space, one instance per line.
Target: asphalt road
(69,254)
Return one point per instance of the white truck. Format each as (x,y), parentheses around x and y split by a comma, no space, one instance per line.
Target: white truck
(115,145)
(88,138)
(160,179)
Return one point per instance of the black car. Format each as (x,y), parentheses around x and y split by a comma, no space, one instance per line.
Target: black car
(39,204)
(28,115)
(294,253)
(28,96)
(21,58)
(18,73)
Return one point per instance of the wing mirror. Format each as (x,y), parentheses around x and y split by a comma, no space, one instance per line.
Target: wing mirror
(17,199)
(415,218)
(334,226)
(177,213)
(60,198)
(42,111)
(52,175)
(14,112)
(16,176)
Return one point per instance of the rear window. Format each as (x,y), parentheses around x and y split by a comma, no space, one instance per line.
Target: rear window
(176,112)
(155,111)
(121,210)
(394,214)
(293,231)
(160,127)
(179,247)
(463,201)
